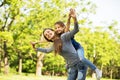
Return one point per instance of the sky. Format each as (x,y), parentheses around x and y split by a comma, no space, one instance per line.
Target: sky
(106,12)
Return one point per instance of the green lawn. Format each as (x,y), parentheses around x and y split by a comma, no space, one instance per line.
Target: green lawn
(33,77)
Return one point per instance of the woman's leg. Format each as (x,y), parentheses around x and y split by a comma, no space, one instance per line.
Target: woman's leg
(88,63)
(84,60)
(72,73)
(82,69)
(84,72)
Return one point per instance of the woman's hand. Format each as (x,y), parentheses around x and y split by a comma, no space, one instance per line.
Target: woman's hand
(33,44)
(72,13)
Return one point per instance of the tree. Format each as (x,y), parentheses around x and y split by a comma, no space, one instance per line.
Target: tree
(8,17)
(25,20)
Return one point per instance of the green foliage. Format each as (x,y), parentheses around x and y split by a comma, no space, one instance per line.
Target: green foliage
(24,20)
(6,36)
(54,64)
(100,48)
(29,66)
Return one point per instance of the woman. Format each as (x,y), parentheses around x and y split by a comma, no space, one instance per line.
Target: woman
(60,28)
(63,46)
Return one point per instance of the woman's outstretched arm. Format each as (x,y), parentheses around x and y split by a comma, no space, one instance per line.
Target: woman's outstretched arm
(69,35)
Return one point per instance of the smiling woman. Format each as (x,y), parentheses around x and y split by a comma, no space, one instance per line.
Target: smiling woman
(48,34)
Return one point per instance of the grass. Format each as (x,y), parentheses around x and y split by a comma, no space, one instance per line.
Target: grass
(33,77)
(30,77)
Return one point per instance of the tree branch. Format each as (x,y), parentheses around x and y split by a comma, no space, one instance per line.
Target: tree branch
(6,19)
(3,3)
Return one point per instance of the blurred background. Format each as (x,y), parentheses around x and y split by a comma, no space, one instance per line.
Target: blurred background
(22,21)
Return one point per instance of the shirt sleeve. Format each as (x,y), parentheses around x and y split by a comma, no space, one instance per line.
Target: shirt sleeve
(45,50)
(70,34)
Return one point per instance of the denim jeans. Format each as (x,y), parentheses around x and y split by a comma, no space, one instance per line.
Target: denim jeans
(77,72)
(80,52)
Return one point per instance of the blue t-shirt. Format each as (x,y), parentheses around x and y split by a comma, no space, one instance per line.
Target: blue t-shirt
(75,43)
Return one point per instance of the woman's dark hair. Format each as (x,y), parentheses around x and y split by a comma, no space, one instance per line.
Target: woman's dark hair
(60,23)
(57,45)
(45,36)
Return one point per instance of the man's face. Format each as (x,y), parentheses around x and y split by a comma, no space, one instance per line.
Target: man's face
(59,29)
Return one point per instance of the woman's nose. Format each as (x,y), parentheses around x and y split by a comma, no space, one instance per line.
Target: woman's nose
(49,34)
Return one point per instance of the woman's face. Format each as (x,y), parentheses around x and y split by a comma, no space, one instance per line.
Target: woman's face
(49,34)
(59,29)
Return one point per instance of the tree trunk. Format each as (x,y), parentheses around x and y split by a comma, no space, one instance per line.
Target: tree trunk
(0,66)
(20,61)
(39,64)
(6,65)
(111,74)
(38,68)
(93,75)
(1,55)
(20,66)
